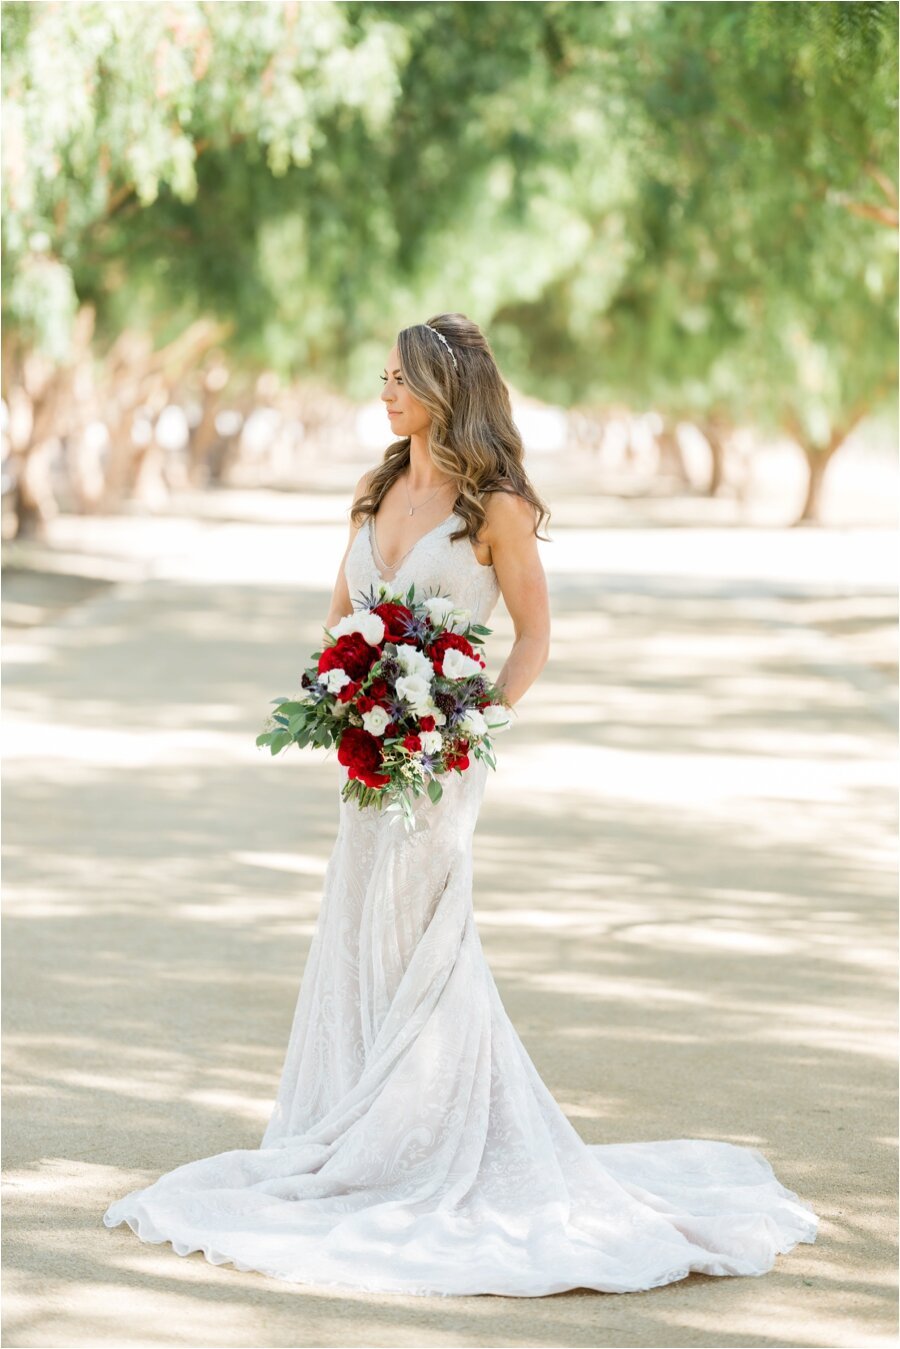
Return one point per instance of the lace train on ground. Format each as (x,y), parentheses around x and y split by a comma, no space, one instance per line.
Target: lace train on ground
(413,1147)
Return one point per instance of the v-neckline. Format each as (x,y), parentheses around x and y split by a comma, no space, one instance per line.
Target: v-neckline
(373,537)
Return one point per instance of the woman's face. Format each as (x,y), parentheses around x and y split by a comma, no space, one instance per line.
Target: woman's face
(407,417)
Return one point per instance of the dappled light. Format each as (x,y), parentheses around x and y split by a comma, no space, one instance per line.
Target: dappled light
(683,900)
(674,230)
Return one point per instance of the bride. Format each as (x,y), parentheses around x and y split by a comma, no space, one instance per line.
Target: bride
(413,1147)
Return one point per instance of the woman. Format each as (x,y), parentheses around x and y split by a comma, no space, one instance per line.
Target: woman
(413,1146)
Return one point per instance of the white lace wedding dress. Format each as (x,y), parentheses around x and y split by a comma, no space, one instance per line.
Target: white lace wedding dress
(413,1147)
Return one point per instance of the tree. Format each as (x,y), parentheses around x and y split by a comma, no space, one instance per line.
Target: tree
(757,253)
(679,206)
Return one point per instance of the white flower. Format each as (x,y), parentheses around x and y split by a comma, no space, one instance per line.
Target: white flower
(431,741)
(431,709)
(438,608)
(371,627)
(498,717)
(457,665)
(473,723)
(343,625)
(459,619)
(375,720)
(334,680)
(415,689)
(413,662)
(368,625)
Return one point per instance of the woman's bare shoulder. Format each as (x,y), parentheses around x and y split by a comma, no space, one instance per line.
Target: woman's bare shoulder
(506,511)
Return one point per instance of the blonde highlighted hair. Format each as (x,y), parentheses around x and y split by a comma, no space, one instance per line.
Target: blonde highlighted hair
(472,436)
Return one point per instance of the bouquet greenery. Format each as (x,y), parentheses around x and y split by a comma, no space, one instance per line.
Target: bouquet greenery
(399,688)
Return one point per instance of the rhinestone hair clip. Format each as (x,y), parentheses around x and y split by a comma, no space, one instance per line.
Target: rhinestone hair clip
(445,342)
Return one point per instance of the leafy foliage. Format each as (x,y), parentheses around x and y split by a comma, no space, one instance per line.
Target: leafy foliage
(676,204)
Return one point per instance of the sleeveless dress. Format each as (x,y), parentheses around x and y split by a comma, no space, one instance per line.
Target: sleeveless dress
(413,1148)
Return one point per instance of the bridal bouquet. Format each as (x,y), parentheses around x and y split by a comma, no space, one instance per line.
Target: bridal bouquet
(399,688)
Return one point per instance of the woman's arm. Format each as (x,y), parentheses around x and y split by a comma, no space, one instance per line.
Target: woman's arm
(509,532)
(340,599)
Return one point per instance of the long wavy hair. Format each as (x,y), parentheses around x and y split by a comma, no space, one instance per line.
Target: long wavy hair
(472,436)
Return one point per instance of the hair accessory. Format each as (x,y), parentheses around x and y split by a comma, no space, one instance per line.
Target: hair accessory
(445,342)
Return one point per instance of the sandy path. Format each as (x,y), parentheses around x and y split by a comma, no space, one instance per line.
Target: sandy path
(684,886)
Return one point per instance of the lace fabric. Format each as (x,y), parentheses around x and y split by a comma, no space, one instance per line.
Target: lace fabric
(412,1146)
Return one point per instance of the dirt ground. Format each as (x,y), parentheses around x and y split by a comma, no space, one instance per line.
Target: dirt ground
(684,884)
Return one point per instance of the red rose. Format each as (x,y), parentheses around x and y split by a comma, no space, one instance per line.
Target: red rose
(441,645)
(376,696)
(412,743)
(352,653)
(360,753)
(426,723)
(390,729)
(459,758)
(395,618)
(349,691)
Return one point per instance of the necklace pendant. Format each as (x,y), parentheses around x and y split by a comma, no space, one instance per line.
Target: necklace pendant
(411,510)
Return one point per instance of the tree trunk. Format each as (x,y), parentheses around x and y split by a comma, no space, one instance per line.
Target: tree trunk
(713,433)
(201,443)
(45,403)
(140,377)
(817,462)
(819,457)
(671,460)
(30,507)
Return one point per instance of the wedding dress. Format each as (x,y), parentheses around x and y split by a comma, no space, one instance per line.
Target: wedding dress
(413,1147)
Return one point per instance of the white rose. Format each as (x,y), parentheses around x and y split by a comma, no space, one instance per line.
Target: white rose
(459,619)
(457,665)
(438,608)
(343,625)
(431,709)
(375,720)
(431,741)
(498,717)
(414,662)
(368,625)
(334,680)
(473,723)
(371,627)
(415,689)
